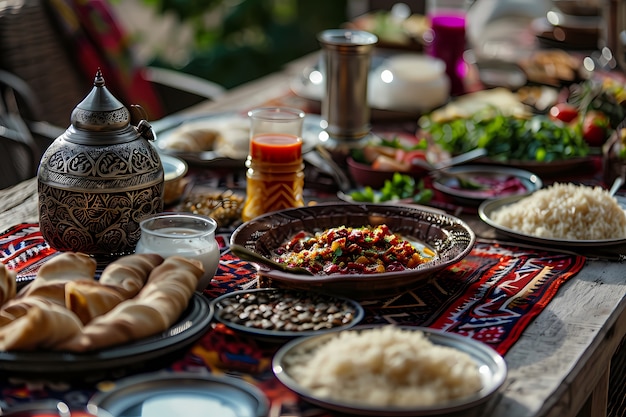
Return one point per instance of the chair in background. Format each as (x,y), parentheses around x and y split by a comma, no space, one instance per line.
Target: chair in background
(23,137)
(56,47)
(50,51)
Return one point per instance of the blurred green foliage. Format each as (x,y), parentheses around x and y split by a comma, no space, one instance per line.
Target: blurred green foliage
(251,38)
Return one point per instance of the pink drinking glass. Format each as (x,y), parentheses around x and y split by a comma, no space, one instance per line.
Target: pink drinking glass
(446,39)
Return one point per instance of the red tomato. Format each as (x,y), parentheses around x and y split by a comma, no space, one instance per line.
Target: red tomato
(564,112)
(595,128)
(409,156)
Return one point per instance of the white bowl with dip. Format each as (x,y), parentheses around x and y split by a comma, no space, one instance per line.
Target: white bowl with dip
(183,234)
(410,82)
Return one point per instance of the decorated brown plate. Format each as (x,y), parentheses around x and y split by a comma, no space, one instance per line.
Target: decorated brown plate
(448,237)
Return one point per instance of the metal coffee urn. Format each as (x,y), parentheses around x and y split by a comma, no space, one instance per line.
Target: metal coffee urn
(99,179)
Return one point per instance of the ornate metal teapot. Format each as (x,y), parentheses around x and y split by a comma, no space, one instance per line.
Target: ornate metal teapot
(99,179)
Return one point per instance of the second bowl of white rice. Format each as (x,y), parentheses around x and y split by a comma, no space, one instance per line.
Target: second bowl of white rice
(562,211)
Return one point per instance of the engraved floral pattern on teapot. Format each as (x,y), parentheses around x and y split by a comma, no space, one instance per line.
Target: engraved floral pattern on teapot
(99,179)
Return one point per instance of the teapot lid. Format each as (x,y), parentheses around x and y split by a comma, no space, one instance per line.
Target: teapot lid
(100,118)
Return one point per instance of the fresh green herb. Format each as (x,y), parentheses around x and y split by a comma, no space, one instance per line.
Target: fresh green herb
(337,253)
(396,143)
(507,137)
(364,195)
(607,96)
(424,196)
(401,186)
(469,184)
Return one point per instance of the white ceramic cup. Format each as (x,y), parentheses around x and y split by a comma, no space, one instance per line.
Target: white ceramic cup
(183,234)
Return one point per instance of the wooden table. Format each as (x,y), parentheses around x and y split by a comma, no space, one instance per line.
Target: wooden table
(560,365)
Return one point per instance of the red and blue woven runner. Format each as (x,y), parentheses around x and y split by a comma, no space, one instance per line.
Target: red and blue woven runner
(492,295)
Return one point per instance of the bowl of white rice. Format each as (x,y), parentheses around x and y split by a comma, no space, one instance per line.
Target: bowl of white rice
(398,371)
(564,213)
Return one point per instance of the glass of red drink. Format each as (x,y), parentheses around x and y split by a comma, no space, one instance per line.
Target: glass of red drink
(275,176)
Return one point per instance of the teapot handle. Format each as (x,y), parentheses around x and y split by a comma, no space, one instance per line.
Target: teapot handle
(145,130)
(139,115)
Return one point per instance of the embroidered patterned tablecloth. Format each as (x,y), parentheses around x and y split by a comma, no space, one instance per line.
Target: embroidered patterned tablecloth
(491,296)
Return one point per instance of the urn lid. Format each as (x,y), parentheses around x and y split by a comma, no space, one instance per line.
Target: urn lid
(100,118)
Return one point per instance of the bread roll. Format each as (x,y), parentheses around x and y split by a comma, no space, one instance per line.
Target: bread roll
(41,304)
(129,273)
(67,266)
(60,282)
(192,139)
(56,272)
(53,292)
(8,284)
(157,306)
(64,308)
(90,299)
(234,142)
(11,311)
(43,326)
(48,292)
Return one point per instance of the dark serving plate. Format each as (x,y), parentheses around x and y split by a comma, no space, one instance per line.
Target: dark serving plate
(494,177)
(191,325)
(544,169)
(293,301)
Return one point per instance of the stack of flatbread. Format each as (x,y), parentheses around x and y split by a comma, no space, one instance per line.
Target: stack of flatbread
(65,308)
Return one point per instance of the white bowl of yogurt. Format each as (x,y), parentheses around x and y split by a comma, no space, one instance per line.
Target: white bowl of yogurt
(183,234)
